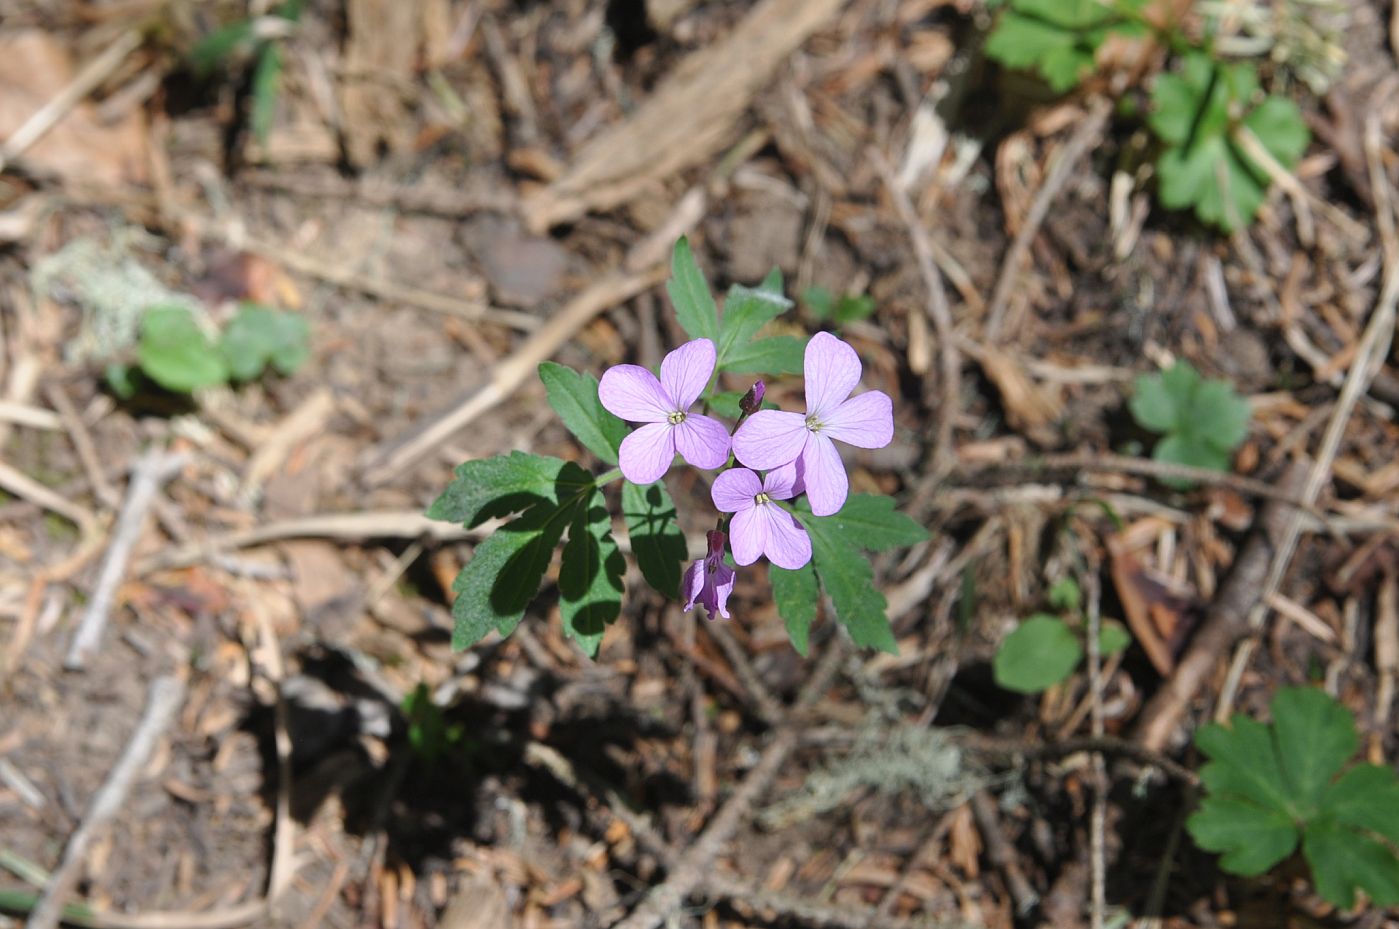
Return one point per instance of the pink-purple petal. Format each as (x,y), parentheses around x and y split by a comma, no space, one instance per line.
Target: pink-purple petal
(785,482)
(702,441)
(866,421)
(832,369)
(633,393)
(770,439)
(720,584)
(685,372)
(692,584)
(748,534)
(824,472)
(788,545)
(646,454)
(734,490)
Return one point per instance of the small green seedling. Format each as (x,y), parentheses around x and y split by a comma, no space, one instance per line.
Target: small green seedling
(251,37)
(1058,39)
(1045,649)
(847,308)
(178,354)
(1202,421)
(1269,786)
(1206,115)
(429,734)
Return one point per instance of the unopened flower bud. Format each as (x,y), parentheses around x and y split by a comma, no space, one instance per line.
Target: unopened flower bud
(752,401)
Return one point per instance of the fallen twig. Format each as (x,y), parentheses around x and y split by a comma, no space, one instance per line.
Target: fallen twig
(164,699)
(1002,853)
(154,468)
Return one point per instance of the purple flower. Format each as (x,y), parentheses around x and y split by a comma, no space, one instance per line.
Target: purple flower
(634,394)
(709,581)
(759,526)
(772,438)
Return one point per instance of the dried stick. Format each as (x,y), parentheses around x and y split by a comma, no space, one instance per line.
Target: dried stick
(1369,357)
(24,486)
(813,913)
(1001,853)
(164,699)
(938,312)
(695,863)
(84,83)
(1225,622)
(152,470)
(81,438)
(1068,156)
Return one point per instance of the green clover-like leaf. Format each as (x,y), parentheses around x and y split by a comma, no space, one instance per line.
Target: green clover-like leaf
(176,353)
(1058,39)
(1204,421)
(1041,652)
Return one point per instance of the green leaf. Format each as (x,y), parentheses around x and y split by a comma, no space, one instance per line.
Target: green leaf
(259,336)
(746,310)
(795,594)
(656,539)
(267,85)
(852,309)
(1367,798)
(175,353)
(505,571)
(1315,737)
(122,380)
(491,487)
(214,50)
(1112,638)
(1204,420)
(725,403)
(1218,416)
(869,521)
(1244,763)
(1344,861)
(1252,838)
(689,293)
(848,580)
(1157,398)
(819,301)
(1057,38)
(779,354)
(1198,113)
(590,576)
(1065,595)
(1041,652)
(574,397)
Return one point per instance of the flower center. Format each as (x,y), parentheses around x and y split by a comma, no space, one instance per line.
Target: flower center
(761,498)
(813,424)
(676,418)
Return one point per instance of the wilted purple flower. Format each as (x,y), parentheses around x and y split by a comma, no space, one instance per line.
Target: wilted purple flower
(759,526)
(772,438)
(752,401)
(709,581)
(634,394)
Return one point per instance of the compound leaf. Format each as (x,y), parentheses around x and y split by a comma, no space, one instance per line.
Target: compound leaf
(848,580)
(1344,861)
(656,539)
(779,354)
(869,521)
(1251,838)
(746,310)
(795,594)
(574,397)
(590,576)
(689,293)
(498,486)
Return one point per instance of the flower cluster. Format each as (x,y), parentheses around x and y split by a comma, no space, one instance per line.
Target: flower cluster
(795,451)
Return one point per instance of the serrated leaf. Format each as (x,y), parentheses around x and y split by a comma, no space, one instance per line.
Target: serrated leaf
(869,521)
(574,397)
(1250,837)
(1315,738)
(506,569)
(498,486)
(1041,652)
(746,310)
(1154,404)
(1366,797)
(1218,415)
(1243,763)
(848,580)
(795,594)
(1344,861)
(1057,38)
(1204,420)
(590,576)
(258,336)
(656,539)
(266,87)
(689,294)
(175,353)
(779,354)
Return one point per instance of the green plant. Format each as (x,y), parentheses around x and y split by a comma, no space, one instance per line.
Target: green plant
(1202,115)
(176,352)
(259,40)
(1045,649)
(1269,786)
(1202,421)
(847,308)
(429,734)
(1058,39)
